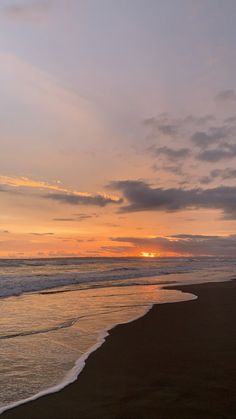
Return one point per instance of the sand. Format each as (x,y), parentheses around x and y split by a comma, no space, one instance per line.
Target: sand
(177,362)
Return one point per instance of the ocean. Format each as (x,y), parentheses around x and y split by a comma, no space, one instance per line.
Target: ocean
(55,312)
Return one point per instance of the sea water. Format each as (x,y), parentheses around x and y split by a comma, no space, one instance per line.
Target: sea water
(54,312)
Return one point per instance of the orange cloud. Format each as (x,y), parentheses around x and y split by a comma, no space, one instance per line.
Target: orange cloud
(63,194)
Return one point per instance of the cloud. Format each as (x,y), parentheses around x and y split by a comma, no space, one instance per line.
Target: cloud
(64,219)
(225,174)
(170,153)
(175,169)
(117,249)
(166,125)
(48,99)
(163,125)
(99,200)
(77,217)
(190,138)
(192,236)
(42,234)
(185,244)
(112,225)
(227,151)
(213,135)
(61,194)
(25,182)
(142,197)
(35,11)
(9,190)
(29,10)
(226,95)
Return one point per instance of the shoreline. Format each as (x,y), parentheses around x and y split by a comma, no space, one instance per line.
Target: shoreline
(49,402)
(80,364)
(74,373)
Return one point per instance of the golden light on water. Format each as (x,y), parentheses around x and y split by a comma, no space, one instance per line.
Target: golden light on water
(148,254)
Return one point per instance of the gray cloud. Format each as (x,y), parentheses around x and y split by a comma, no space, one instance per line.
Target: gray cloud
(213,135)
(164,124)
(28,10)
(76,199)
(4,189)
(186,244)
(77,217)
(171,153)
(227,173)
(35,11)
(117,249)
(226,151)
(176,169)
(199,120)
(230,120)
(226,95)
(205,180)
(212,143)
(224,174)
(64,219)
(42,234)
(142,197)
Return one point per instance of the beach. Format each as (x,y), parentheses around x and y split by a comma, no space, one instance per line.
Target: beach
(178,361)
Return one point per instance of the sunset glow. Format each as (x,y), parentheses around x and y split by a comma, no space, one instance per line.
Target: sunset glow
(108,159)
(148,254)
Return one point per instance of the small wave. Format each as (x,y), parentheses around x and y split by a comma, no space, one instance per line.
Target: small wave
(39,283)
(36,279)
(123,268)
(64,325)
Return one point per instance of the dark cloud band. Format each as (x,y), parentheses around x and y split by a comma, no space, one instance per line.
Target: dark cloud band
(142,197)
(76,199)
(185,244)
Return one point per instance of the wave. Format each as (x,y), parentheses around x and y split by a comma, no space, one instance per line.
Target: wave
(37,283)
(73,374)
(64,325)
(122,269)
(60,261)
(70,378)
(31,275)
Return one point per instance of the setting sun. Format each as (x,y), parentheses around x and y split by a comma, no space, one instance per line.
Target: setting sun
(148,254)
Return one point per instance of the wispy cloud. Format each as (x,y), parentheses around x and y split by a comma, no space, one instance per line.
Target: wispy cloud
(224,174)
(79,198)
(26,182)
(213,135)
(191,138)
(166,125)
(28,10)
(35,11)
(59,193)
(43,93)
(75,218)
(42,234)
(227,95)
(173,154)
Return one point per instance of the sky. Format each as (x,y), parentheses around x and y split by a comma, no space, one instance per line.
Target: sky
(118,128)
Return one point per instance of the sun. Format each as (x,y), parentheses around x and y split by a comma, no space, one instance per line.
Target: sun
(148,254)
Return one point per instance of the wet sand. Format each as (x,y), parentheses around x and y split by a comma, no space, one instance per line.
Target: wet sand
(177,362)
